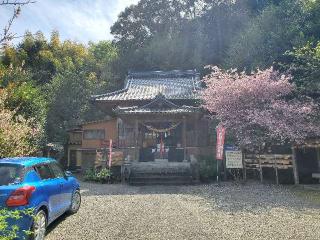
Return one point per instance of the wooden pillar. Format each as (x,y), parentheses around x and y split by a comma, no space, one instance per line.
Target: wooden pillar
(276,169)
(295,165)
(136,140)
(184,137)
(260,169)
(244,165)
(318,157)
(197,128)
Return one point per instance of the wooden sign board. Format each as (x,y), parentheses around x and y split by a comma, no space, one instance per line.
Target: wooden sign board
(234,159)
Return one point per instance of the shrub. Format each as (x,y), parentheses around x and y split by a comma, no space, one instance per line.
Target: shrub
(10,232)
(90,175)
(207,168)
(103,175)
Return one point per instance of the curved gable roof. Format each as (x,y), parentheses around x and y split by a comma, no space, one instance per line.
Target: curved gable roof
(147,85)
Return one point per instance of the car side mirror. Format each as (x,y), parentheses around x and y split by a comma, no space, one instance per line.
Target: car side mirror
(68,173)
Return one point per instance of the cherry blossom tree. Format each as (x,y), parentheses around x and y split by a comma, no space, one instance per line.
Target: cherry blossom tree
(260,108)
(18,136)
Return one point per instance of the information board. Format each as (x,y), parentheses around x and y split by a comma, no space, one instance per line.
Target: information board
(234,159)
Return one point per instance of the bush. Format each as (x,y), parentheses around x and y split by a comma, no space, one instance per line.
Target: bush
(10,232)
(207,168)
(103,175)
(90,175)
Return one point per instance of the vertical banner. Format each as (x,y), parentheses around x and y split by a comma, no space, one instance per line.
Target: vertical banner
(221,132)
(110,153)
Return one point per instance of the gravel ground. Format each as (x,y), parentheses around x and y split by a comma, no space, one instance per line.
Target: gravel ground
(225,211)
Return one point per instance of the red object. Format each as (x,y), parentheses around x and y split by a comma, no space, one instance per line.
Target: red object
(221,132)
(20,197)
(104,143)
(110,153)
(161,146)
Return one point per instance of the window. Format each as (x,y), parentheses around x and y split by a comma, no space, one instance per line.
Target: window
(10,174)
(44,172)
(94,134)
(57,171)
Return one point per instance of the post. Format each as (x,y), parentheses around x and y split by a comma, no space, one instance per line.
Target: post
(244,165)
(318,157)
(276,169)
(136,136)
(184,136)
(217,170)
(295,165)
(197,131)
(260,169)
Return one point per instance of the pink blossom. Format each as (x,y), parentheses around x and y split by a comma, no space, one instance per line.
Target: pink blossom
(256,109)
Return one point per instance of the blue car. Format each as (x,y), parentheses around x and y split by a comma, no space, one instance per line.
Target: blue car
(39,184)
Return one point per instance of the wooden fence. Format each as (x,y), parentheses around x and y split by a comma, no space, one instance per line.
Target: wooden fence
(277,161)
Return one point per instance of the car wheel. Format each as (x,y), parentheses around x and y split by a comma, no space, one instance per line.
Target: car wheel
(75,202)
(39,226)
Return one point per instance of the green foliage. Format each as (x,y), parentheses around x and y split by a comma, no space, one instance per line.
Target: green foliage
(24,96)
(90,175)
(207,168)
(9,232)
(267,36)
(18,136)
(168,34)
(52,81)
(304,64)
(68,101)
(103,175)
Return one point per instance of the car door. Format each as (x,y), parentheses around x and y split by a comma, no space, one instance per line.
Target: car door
(51,190)
(66,186)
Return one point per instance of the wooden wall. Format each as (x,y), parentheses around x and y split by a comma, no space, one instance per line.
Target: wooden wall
(111,132)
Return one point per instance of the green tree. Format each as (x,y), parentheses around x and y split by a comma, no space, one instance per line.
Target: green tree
(304,64)
(278,28)
(52,81)
(69,104)
(168,34)
(18,136)
(24,96)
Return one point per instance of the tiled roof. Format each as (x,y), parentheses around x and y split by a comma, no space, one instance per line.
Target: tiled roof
(137,110)
(159,105)
(147,85)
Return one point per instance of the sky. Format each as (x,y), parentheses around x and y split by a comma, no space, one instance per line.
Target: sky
(78,20)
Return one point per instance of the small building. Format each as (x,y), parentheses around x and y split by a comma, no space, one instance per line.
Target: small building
(158,124)
(88,140)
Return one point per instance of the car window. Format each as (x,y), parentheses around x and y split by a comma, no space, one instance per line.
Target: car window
(44,171)
(10,174)
(57,171)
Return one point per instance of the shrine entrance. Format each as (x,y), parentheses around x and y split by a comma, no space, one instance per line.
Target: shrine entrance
(161,141)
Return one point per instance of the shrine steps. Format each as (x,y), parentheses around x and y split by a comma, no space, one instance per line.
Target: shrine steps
(161,174)
(160,180)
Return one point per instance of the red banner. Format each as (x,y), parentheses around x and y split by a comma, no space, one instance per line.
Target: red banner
(221,132)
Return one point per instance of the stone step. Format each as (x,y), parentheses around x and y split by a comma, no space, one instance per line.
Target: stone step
(160,174)
(163,181)
(160,180)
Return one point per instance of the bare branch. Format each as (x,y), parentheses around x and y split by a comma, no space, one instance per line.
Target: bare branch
(7,36)
(15,3)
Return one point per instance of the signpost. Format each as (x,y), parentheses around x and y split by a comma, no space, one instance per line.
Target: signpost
(234,159)
(221,131)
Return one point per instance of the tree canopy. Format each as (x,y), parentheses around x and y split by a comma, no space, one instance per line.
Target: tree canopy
(52,80)
(258,109)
